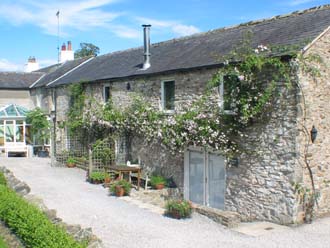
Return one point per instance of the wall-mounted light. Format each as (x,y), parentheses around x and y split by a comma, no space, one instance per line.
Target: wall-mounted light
(128,86)
(313,133)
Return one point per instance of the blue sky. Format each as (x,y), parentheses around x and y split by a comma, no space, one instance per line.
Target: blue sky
(29,27)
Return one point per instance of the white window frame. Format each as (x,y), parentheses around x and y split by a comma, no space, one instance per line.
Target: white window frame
(163,96)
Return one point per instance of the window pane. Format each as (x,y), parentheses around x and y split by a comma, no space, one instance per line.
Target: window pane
(11,111)
(229,81)
(106,93)
(169,95)
(9,132)
(19,122)
(2,136)
(19,134)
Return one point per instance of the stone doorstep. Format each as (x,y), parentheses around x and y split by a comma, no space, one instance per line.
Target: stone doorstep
(260,228)
(226,218)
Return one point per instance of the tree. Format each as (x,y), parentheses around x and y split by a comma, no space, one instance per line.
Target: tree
(87,49)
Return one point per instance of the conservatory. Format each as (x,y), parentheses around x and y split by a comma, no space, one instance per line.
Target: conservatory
(14,133)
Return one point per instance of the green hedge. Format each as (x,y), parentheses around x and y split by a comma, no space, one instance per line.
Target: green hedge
(30,224)
(2,243)
(3,180)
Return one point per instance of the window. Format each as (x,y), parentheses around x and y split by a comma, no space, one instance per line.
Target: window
(106,93)
(168,95)
(227,103)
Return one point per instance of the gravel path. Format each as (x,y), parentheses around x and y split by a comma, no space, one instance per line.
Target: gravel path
(122,224)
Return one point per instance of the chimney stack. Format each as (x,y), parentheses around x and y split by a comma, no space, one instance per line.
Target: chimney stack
(146,41)
(31,65)
(66,53)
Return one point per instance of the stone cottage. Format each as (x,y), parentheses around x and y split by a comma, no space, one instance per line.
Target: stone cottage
(271,184)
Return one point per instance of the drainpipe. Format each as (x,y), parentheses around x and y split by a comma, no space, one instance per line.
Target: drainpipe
(146,41)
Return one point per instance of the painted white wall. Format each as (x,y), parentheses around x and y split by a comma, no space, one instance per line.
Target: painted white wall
(66,55)
(31,66)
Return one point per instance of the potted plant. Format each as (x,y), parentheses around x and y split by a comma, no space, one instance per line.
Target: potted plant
(178,209)
(71,162)
(40,128)
(97,177)
(107,179)
(120,188)
(157,182)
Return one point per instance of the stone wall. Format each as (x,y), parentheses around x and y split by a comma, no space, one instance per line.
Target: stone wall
(261,186)
(314,110)
(154,157)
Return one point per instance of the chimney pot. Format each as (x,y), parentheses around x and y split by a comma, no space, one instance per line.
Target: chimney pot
(69,46)
(63,47)
(146,41)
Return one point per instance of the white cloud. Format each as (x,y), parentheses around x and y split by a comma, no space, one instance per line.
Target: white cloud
(184,29)
(82,15)
(46,62)
(6,65)
(299,2)
(175,27)
(126,32)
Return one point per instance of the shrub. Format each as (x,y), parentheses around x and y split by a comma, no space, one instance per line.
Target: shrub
(97,176)
(178,209)
(121,183)
(71,160)
(3,180)
(30,224)
(156,180)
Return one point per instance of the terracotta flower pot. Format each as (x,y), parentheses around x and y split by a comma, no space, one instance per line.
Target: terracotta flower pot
(107,180)
(175,214)
(120,191)
(71,165)
(159,186)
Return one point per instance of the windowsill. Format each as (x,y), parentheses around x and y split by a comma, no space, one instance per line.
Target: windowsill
(168,112)
(228,112)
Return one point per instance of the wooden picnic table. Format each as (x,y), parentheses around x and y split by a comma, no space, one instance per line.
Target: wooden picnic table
(121,169)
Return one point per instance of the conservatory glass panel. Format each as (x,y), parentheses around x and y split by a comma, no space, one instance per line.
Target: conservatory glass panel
(2,135)
(19,134)
(9,131)
(11,111)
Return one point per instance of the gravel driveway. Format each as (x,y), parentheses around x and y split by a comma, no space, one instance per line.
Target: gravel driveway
(122,224)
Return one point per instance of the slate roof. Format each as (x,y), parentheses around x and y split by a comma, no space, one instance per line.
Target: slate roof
(18,80)
(204,49)
(56,71)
